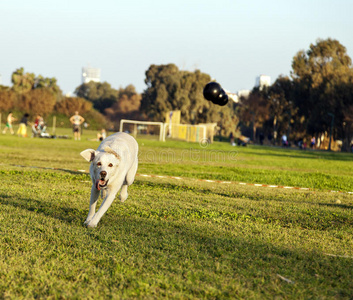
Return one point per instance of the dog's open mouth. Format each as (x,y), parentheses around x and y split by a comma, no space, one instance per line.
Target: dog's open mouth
(101,183)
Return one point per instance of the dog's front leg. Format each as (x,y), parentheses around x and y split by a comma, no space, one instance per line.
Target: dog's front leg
(108,200)
(92,204)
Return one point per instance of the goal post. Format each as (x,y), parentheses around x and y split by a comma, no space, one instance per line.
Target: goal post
(142,123)
(185,132)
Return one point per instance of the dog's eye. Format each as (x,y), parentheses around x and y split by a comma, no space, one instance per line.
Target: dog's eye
(99,164)
(110,165)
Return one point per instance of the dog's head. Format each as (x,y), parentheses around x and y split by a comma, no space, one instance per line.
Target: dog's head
(104,165)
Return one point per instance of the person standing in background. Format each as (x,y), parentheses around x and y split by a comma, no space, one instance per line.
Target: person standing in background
(22,130)
(10,119)
(76,120)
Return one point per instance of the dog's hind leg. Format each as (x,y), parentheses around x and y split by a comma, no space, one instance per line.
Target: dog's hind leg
(123,193)
(130,175)
(129,179)
(92,204)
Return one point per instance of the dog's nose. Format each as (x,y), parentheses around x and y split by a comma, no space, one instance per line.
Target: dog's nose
(103,174)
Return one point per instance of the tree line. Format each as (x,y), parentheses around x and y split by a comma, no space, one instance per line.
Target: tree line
(99,103)
(314,100)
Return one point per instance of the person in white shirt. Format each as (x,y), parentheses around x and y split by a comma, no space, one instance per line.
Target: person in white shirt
(284,141)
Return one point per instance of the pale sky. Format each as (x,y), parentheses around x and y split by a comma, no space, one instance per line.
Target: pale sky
(231,40)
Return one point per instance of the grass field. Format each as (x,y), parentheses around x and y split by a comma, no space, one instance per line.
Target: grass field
(176,238)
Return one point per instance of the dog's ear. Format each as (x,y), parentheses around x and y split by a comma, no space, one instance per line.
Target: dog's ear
(111,151)
(88,154)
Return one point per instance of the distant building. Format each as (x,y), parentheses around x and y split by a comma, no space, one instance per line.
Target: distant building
(244,93)
(232,96)
(91,74)
(262,81)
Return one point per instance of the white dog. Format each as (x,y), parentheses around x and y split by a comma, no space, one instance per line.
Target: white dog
(113,167)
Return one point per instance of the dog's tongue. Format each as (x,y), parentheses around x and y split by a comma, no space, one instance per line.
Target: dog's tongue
(98,183)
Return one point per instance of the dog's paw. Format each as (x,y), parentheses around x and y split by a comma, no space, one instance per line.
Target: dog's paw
(87,221)
(123,197)
(89,218)
(91,225)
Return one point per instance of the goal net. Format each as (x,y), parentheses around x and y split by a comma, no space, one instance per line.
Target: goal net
(200,133)
(152,130)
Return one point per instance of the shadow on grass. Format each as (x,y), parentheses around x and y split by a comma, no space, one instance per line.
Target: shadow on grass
(51,168)
(58,211)
(345,206)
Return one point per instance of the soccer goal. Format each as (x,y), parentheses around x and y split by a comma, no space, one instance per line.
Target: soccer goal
(199,133)
(143,128)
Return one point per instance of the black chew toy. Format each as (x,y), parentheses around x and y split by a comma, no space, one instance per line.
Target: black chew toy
(214,92)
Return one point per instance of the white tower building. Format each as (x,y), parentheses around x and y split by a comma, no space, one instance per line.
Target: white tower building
(262,80)
(91,74)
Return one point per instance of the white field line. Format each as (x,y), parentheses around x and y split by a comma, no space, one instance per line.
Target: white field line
(180,178)
(285,279)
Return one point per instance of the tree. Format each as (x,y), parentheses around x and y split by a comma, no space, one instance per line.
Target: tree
(126,107)
(35,93)
(22,82)
(283,111)
(159,97)
(128,100)
(346,92)
(317,75)
(196,109)
(115,104)
(102,95)
(69,105)
(49,84)
(39,101)
(169,89)
(7,99)
(254,111)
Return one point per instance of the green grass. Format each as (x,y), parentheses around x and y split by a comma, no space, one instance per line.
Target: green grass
(179,239)
(263,165)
